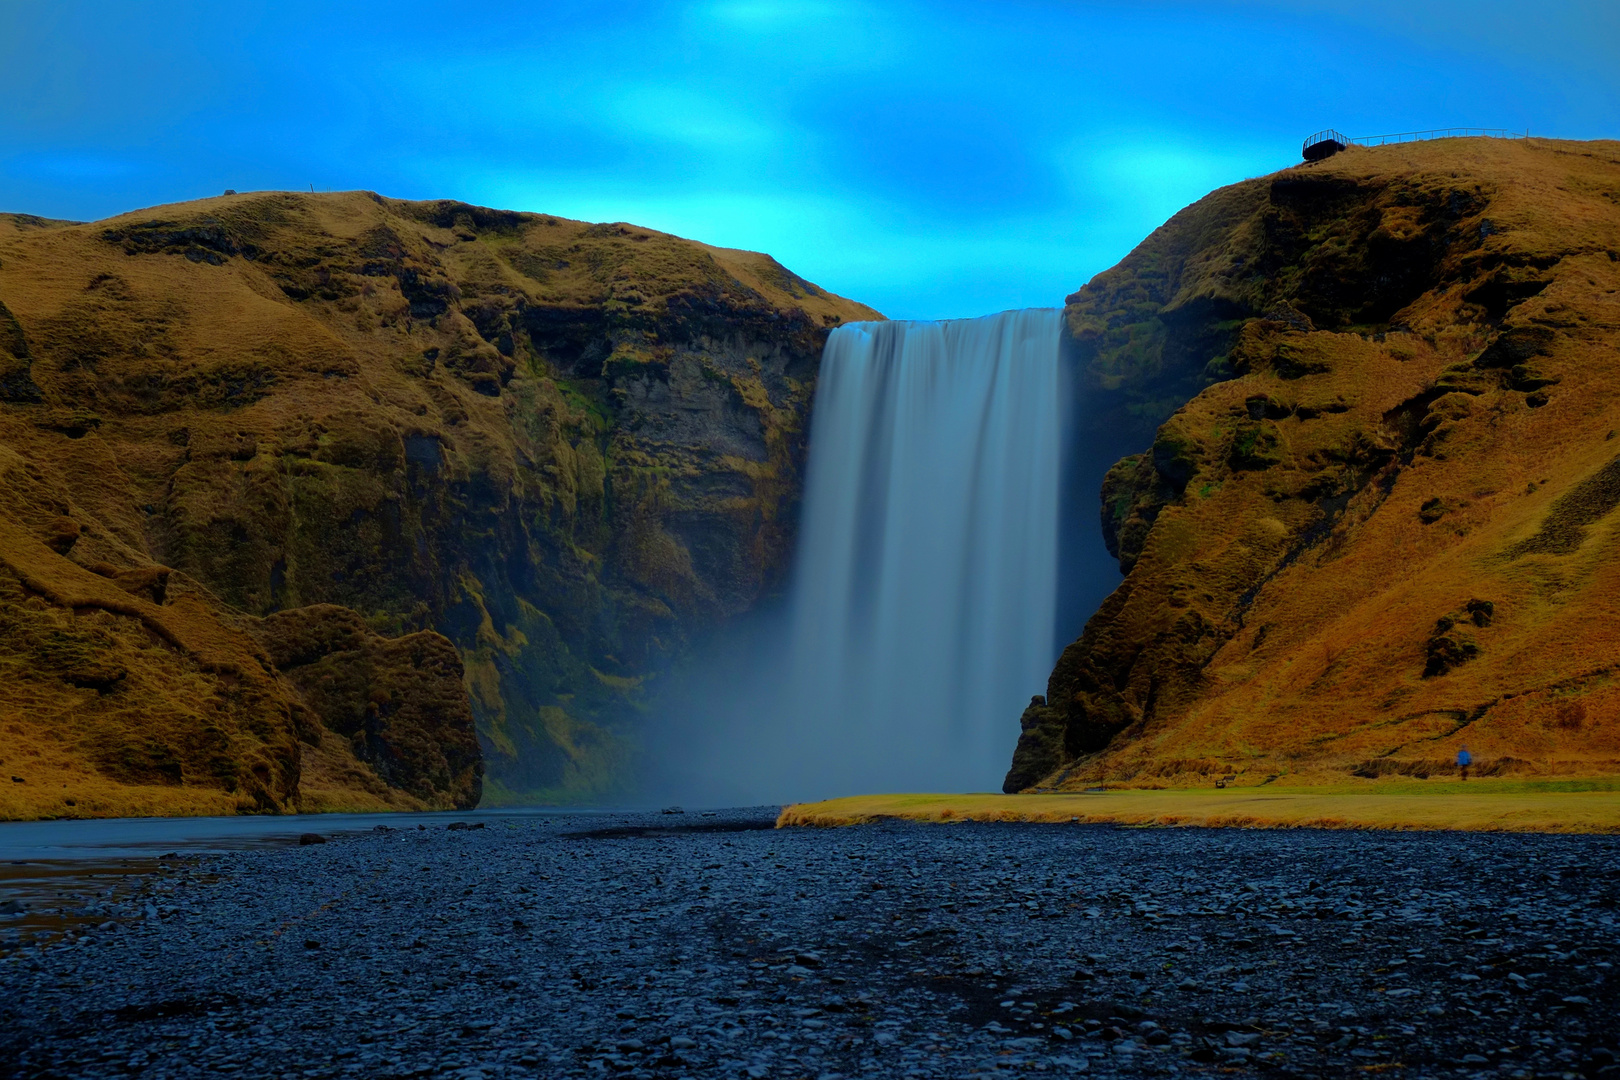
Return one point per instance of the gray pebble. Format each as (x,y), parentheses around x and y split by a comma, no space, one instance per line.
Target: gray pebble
(641,945)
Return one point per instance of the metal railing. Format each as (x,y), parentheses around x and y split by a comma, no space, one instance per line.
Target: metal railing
(1434,133)
(1326,143)
(1328,135)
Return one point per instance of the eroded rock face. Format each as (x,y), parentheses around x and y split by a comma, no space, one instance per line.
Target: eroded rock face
(564,448)
(117,698)
(1363,395)
(399,702)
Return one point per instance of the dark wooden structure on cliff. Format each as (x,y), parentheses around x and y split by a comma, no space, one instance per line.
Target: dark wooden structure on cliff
(1324,144)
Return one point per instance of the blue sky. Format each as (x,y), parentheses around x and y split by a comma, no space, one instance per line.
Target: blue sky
(931,159)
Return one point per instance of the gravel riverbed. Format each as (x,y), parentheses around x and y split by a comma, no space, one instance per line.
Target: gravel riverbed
(663,945)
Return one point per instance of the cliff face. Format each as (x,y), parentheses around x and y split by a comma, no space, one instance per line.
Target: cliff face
(1371,519)
(332,478)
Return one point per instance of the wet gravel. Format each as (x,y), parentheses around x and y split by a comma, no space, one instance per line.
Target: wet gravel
(680,945)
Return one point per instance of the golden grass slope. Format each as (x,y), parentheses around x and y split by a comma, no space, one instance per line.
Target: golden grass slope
(1485,805)
(1384,527)
(565,447)
(136,693)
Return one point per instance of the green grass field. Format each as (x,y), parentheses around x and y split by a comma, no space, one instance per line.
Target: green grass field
(1566,806)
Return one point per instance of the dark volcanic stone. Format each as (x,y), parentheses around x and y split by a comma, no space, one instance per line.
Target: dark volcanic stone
(578,947)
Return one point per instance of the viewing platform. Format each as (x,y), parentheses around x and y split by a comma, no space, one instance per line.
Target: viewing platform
(1326,143)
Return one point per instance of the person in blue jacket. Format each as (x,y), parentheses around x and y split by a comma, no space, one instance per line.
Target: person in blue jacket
(1464,759)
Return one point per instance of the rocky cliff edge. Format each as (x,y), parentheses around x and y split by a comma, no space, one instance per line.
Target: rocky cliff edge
(338,501)
(1369,516)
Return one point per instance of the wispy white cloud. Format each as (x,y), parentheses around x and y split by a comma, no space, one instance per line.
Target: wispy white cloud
(871,250)
(933,159)
(1157,177)
(778,14)
(688,116)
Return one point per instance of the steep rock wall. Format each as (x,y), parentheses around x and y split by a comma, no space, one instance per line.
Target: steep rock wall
(1370,518)
(566,448)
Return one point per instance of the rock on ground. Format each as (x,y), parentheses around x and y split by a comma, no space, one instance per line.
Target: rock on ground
(594,945)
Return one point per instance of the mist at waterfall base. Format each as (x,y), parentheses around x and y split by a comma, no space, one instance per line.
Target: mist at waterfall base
(922,609)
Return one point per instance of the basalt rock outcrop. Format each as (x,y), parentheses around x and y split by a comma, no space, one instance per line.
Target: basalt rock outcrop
(318,501)
(1370,518)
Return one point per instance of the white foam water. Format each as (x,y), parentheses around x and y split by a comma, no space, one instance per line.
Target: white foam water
(920,615)
(924,594)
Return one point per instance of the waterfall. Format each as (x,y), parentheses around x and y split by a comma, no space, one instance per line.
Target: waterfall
(924,594)
(921,608)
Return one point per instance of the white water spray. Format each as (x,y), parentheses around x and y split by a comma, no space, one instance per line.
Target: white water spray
(922,603)
(925,589)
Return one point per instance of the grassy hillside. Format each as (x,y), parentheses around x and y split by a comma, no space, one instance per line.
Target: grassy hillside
(302,487)
(1494,805)
(1372,519)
